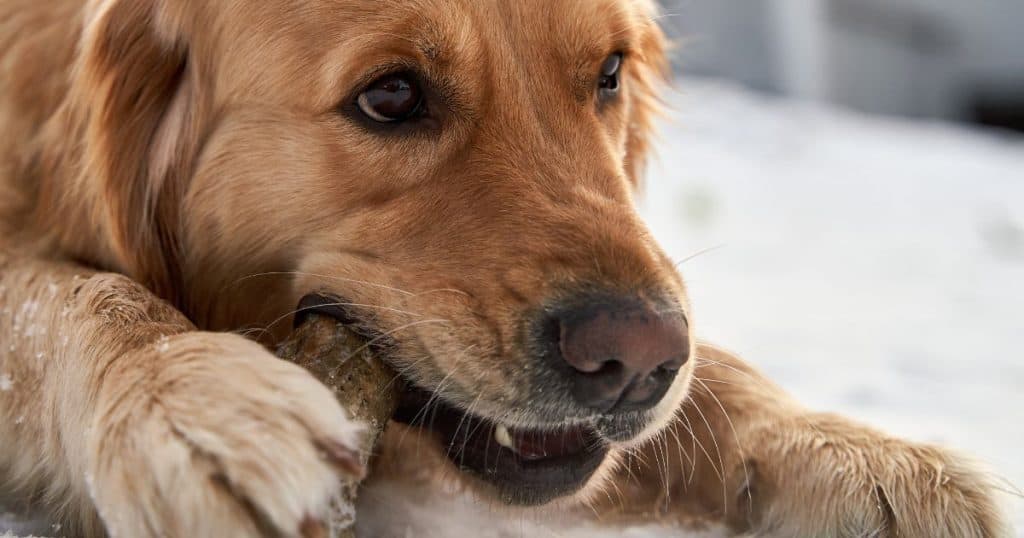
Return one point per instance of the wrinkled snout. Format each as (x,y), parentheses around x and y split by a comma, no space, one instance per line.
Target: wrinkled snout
(622,353)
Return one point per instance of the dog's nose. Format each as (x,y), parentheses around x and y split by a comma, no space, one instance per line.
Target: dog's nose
(624,354)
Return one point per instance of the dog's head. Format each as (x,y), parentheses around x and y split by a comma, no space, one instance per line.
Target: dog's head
(452,178)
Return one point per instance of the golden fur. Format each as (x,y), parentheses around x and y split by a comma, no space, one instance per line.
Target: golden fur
(203,150)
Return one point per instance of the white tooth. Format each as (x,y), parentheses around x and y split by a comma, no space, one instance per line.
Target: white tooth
(502,436)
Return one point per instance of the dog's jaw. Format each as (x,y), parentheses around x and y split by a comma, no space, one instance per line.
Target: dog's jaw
(513,463)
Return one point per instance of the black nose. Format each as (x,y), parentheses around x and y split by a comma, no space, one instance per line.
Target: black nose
(624,354)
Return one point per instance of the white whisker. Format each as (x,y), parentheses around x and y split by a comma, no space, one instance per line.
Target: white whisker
(732,427)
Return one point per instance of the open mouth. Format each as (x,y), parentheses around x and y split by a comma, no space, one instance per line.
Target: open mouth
(526,466)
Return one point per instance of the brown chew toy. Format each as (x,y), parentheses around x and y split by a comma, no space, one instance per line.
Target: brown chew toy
(362,384)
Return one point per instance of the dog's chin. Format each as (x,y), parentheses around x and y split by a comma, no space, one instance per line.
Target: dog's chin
(521,466)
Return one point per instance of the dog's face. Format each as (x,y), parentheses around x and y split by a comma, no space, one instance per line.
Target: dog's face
(453,179)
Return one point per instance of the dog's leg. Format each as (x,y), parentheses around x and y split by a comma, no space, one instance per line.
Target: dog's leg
(116,412)
(744,453)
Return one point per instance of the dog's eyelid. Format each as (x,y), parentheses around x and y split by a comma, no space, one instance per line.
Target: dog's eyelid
(612,64)
(609,81)
(367,79)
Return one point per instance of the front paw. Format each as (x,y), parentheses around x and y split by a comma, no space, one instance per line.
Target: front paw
(219,438)
(821,475)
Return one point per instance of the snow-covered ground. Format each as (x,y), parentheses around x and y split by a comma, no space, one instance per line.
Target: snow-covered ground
(872,266)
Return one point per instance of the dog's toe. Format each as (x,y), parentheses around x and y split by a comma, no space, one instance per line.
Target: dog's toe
(238,444)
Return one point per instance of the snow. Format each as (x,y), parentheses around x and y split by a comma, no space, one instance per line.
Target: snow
(872,266)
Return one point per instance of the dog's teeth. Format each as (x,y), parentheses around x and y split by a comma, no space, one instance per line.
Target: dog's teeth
(502,436)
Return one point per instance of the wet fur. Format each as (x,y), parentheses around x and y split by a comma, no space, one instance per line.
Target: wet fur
(206,151)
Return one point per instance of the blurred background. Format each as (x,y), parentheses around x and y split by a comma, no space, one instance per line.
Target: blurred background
(842,183)
(924,58)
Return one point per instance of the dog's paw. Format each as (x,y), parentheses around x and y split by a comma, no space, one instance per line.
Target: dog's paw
(216,437)
(821,475)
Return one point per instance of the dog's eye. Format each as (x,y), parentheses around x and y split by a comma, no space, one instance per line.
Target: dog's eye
(391,98)
(608,83)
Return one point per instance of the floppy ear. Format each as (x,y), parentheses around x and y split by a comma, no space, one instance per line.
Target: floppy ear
(648,77)
(133,102)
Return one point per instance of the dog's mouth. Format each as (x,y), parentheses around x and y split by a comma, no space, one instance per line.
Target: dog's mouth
(525,466)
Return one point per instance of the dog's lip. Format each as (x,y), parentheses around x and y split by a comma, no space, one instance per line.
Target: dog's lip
(319,303)
(528,443)
(528,466)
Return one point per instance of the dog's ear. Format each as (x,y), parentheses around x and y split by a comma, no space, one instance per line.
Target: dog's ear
(133,97)
(649,76)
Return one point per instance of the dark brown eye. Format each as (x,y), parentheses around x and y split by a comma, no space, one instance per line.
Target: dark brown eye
(608,83)
(392,98)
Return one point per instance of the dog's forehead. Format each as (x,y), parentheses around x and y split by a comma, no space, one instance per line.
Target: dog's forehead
(452,29)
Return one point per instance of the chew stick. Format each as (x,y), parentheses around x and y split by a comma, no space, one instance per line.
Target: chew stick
(360,381)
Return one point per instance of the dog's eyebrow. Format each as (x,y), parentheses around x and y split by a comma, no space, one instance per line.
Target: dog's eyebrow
(430,50)
(435,45)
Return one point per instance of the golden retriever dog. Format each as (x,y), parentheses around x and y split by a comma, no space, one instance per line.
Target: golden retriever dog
(453,179)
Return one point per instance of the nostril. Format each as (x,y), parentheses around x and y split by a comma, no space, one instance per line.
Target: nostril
(601,389)
(611,368)
(675,363)
(646,392)
(580,360)
(580,355)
